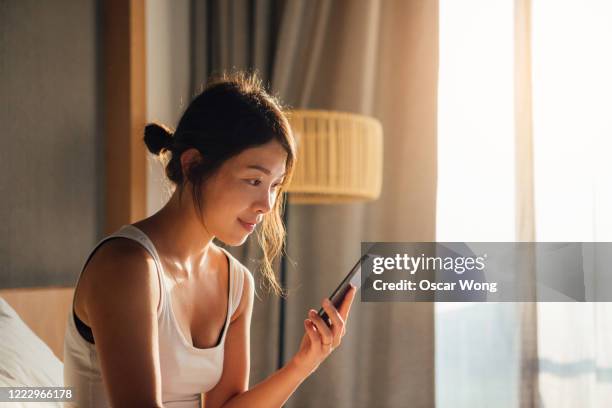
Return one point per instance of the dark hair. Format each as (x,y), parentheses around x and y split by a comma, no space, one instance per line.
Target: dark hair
(233,113)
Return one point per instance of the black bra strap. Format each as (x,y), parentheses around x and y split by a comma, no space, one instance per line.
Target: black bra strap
(83,329)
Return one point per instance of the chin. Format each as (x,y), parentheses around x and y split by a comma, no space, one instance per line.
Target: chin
(234,239)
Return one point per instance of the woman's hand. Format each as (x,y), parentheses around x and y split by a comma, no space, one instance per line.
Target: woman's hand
(320,340)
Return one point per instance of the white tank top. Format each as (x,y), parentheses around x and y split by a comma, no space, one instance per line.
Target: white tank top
(186,371)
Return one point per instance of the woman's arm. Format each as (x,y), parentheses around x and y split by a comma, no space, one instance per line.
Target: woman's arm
(274,391)
(318,342)
(121,297)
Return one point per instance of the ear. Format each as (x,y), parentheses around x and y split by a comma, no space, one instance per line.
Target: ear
(189,157)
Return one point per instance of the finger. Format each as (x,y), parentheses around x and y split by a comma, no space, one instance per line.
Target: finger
(315,339)
(337,322)
(324,331)
(345,307)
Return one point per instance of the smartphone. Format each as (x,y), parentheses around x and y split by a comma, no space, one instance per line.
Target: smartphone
(353,278)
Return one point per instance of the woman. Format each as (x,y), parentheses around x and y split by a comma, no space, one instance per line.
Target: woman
(162,314)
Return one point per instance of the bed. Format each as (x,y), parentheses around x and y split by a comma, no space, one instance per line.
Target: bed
(32,324)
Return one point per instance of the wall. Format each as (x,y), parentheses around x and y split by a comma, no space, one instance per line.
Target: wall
(51,157)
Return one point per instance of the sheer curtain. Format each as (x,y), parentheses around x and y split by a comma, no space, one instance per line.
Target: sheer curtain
(537,170)
(572,128)
(476,343)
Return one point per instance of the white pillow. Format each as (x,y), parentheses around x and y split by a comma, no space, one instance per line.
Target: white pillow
(25,360)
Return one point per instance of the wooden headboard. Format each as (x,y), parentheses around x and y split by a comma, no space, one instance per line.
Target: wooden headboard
(45,311)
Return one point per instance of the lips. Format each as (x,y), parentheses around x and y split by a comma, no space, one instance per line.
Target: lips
(249,226)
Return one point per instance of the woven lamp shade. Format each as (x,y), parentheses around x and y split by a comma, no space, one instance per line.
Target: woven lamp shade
(339,157)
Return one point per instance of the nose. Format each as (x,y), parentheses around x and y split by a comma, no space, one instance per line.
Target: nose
(265,202)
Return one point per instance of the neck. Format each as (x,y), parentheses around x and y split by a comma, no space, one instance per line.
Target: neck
(179,234)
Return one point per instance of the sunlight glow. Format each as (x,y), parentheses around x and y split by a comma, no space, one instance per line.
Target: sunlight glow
(476,121)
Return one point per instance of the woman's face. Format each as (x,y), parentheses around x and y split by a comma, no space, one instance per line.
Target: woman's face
(242,191)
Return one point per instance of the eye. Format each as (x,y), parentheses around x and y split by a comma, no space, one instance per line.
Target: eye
(256,182)
(253,182)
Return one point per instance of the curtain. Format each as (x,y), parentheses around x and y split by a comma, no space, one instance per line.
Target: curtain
(379,59)
(548,90)
(524,202)
(376,58)
(571,127)
(476,344)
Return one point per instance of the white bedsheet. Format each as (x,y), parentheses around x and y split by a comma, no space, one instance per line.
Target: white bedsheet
(25,360)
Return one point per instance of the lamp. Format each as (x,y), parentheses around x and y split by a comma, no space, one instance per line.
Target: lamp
(339,157)
(339,161)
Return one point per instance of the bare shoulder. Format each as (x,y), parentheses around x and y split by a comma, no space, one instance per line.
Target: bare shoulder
(122,311)
(122,270)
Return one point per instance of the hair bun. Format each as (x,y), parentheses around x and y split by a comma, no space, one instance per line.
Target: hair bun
(157,137)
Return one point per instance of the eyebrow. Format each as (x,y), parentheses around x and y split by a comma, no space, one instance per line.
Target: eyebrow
(262,169)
